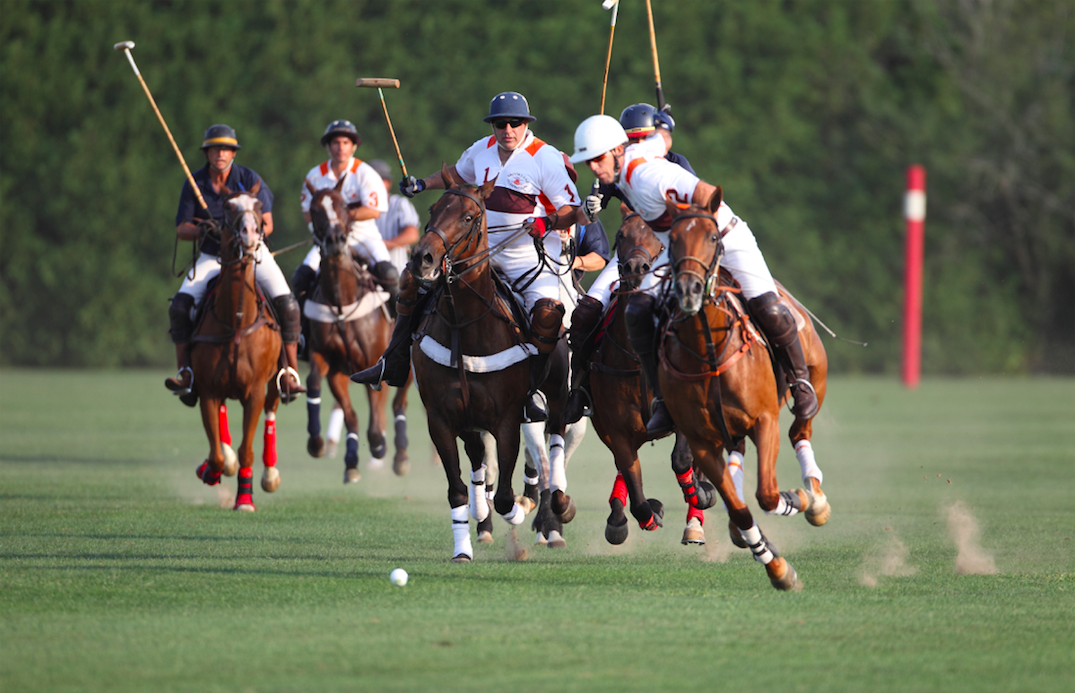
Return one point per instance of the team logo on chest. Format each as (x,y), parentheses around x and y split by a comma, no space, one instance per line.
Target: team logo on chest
(520,182)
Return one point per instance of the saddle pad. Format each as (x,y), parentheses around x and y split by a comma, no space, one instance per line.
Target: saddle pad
(477,364)
(319,312)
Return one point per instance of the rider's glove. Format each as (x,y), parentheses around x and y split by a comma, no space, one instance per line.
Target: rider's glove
(591,207)
(410,186)
(208,228)
(537,227)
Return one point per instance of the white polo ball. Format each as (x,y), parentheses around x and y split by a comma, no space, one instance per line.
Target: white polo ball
(398,577)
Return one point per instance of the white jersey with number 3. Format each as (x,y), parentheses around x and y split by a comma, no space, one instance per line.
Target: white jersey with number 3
(362,185)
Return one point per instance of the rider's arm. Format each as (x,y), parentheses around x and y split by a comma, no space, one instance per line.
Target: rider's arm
(266,219)
(188,231)
(362,212)
(436,181)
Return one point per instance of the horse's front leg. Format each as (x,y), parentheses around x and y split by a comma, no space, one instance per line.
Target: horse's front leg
(210,470)
(252,406)
(507,452)
(766,437)
(270,477)
(339,384)
(444,441)
(474,445)
(378,400)
(315,444)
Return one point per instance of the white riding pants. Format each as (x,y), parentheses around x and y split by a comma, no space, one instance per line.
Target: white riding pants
(269,276)
(366,242)
(521,257)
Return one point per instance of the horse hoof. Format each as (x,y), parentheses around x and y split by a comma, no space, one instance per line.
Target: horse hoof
(330,449)
(616,534)
(735,536)
(461,558)
(350,476)
(564,506)
(375,463)
(556,540)
(819,511)
(485,537)
(526,503)
(693,533)
(208,476)
(244,503)
(783,576)
(540,539)
(401,463)
(231,461)
(315,445)
(270,480)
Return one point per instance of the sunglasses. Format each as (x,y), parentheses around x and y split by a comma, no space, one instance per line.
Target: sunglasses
(514,122)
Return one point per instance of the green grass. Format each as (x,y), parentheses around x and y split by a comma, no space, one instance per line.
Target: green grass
(120,571)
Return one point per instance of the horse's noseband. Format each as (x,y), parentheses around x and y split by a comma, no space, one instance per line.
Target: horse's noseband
(472,235)
(711,275)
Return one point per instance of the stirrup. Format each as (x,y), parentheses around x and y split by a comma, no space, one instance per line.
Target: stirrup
(173,383)
(579,404)
(805,384)
(655,428)
(291,395)
(535,410)
(366,376)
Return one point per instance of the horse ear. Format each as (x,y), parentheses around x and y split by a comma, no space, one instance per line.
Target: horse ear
(715,200)
(487,189)
(339,183)
(674,208)
(625,211)
(257,186)
(449,182)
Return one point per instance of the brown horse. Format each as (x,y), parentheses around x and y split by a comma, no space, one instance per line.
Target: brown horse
(235,351)
(719,381)
(619,413)
(349,330)
(469,357)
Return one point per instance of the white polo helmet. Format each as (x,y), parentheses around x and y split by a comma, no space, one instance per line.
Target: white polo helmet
(595,136)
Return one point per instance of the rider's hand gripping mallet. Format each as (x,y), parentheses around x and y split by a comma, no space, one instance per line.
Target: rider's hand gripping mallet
(389,84)
(615,5)
(126,47)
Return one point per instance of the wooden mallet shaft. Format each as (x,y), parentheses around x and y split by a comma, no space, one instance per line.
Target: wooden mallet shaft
(378,83)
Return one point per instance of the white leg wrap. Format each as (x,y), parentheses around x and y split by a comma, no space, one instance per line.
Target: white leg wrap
(557,465)
(479,506)
(515,516)
(335,425)
(783,507)
(461,532)
(761,551)
(804,452)
(735,466)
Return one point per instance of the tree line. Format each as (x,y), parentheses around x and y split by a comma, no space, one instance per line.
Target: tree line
(807,113)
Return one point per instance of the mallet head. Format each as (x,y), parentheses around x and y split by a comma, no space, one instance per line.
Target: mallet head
(124,46)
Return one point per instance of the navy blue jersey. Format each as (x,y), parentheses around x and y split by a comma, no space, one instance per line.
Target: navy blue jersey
(680,160)
(240,179)
(594,240)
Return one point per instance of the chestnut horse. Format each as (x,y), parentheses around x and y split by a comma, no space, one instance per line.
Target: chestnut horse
(349,329)
(719,382)
(235,351)
(470,359)
(619,414)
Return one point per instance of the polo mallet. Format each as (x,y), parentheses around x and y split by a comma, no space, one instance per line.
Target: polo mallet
(615,5)
(656,64)
(126,47)
(388,84)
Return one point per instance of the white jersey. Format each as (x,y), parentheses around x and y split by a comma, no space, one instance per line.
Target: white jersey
(648,180)
(362,185)
(401,214)
(532,183)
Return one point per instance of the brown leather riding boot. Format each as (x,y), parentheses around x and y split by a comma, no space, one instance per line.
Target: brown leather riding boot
(546,320)
(180,382)
(778,324)
(642,333)
(291,385)
(287,312)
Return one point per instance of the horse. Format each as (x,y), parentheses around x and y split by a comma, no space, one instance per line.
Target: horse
(349,329)
(235,352)
(619,409)
(470,357)
(719,381)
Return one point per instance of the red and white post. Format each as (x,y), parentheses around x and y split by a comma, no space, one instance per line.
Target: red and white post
(914,211)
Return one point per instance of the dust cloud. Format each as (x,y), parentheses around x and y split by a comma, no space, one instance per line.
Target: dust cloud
(889,561)
(971,558)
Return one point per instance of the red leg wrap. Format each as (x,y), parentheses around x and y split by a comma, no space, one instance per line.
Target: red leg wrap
(225,434)
(269,453)
(695,513)
(619,491)
(686,483)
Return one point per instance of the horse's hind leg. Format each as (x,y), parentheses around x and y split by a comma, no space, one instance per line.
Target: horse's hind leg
(315,444)
(818,510)
(444,440)
(210,470)
(231,462)
(474,445)
(252,406)
(401,462)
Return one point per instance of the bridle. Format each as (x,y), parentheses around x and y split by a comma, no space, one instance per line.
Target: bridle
(639,251)
(449,264)
(711,275)
(233,225)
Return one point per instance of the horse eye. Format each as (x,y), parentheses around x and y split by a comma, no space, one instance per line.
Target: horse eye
(469,217)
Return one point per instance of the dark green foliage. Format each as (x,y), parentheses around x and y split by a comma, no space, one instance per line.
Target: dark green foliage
(807,113)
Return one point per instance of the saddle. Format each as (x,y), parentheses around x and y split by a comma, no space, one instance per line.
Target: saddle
(266,315)
(318,309)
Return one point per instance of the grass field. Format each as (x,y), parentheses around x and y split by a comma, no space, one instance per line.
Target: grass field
(120,571)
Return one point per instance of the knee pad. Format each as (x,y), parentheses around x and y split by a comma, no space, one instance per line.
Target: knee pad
(303,280)
(182,327)
(638,318)
(584,320)
(287,312)
(774,318)
(546,319)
